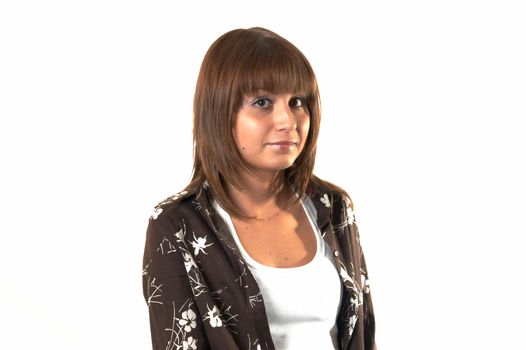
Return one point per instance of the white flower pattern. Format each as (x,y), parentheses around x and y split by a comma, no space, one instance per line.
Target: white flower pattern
(351,218)
(344,275)
(325,200)
(189,262)
(199,245)
(156,212)
(190,343)
(365,283)
(179,235)
(188,320)
(214,316)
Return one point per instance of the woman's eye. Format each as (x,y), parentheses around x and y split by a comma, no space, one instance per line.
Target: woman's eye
(262,103)
(296,102)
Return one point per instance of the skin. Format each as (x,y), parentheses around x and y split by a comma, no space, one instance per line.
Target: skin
(270,132)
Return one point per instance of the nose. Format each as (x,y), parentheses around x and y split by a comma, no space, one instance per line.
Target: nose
(285,119)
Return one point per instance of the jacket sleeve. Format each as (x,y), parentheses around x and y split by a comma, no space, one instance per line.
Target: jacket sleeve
(175,322)
(365,328)
(368,311)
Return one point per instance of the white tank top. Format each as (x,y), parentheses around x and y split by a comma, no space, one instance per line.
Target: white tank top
(302,302)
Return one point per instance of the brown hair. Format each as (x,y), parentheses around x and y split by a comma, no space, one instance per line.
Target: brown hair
(240,63)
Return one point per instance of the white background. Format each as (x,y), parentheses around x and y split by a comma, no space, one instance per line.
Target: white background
(423,112)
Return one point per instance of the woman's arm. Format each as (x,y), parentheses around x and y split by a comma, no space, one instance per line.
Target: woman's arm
(175,321)
(368,311)
(365,338)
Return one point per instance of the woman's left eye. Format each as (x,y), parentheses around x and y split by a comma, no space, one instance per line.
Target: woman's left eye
(296,102)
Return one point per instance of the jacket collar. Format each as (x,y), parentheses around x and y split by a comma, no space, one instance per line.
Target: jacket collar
(323,202)
(204,202)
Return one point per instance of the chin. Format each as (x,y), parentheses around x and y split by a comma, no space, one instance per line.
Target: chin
(283,166)
(274,164)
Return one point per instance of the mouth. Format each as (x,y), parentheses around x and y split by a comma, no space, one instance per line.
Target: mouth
(283,145)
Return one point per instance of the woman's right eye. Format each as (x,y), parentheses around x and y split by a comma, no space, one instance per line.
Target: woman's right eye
(262,103)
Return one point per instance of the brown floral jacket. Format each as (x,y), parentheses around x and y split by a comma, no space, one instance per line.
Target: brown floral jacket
(201,295)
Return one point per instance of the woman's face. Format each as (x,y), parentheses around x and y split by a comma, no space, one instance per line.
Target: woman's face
(271,130)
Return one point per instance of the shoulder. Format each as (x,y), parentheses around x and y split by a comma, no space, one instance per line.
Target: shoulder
(188,207)
(328,193)
(171,215)
(172,205)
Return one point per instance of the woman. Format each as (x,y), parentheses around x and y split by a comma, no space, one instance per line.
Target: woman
(256,252)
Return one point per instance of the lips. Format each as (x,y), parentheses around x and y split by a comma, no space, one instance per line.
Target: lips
(283,145)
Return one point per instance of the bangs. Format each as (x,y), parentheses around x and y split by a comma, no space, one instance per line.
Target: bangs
(275,68)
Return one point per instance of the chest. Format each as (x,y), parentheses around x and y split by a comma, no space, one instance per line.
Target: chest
(287,241)
(302,303)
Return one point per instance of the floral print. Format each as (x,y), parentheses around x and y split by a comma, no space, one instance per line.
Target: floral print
(156,212)
(325,200)
(201,296)
(188,320)
(189,262)
(214,316)
(199,245)
(351,219)
(190,343)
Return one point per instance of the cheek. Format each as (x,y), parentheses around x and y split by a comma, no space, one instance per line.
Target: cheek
(304,127)
(244,134)
(248,129)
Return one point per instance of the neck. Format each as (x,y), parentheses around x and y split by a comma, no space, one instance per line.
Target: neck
(258,197)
